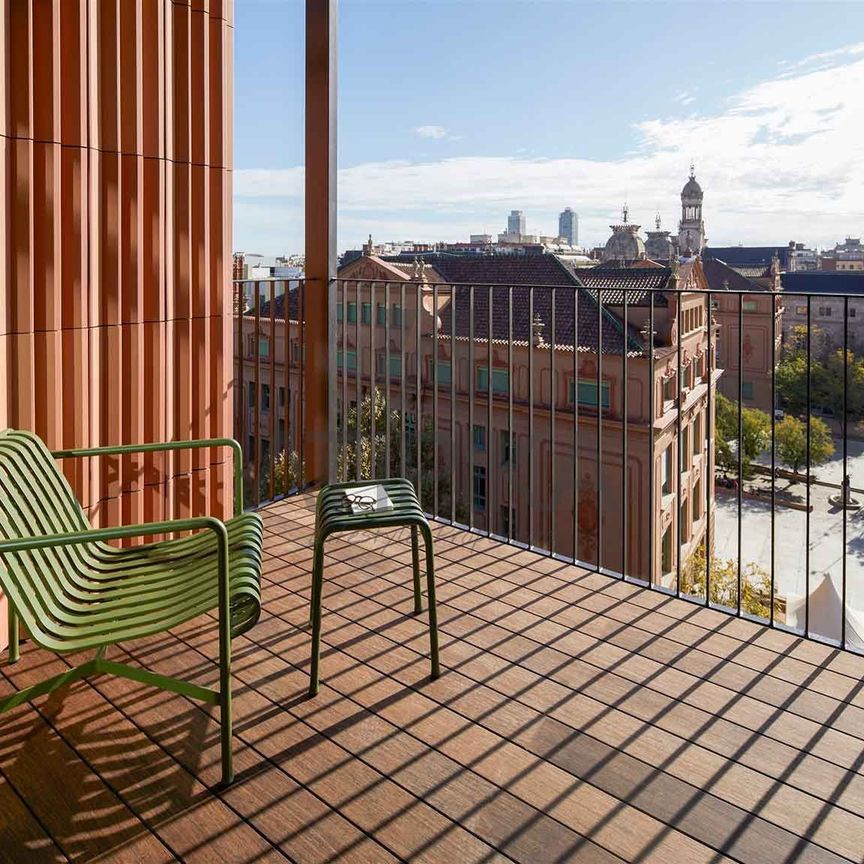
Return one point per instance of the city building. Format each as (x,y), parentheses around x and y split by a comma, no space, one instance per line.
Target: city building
(625,245)
(516,223)
(844,257)
(827,312)
(750,329)
(691,228)
(568,226)
(660,245)
(522,440)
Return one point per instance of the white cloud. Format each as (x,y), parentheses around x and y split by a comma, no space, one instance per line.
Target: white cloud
(430,132)
(684,97)
(783,159)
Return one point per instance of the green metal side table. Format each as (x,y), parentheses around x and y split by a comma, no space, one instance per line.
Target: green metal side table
(331,516)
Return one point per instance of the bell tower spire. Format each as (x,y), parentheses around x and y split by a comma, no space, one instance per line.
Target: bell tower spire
(691,228)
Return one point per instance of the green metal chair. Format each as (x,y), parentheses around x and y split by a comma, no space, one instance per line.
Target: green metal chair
(73,591)
(331,516)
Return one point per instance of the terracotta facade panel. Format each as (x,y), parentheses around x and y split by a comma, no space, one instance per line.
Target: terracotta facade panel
(115,243)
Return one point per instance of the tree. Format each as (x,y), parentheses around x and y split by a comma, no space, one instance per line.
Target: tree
(790,438)
(755,434)
(754,584)
(349,457)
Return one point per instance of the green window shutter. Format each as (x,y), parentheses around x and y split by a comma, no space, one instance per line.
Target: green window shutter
(352,313)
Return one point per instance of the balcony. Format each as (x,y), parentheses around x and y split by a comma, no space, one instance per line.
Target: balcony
(579,718)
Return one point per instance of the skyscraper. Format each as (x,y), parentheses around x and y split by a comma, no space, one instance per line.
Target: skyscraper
(516,222)
(568,226)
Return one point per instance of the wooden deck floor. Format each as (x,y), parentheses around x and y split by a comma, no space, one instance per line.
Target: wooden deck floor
(578,719)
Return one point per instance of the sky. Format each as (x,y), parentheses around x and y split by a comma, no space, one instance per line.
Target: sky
(450,114)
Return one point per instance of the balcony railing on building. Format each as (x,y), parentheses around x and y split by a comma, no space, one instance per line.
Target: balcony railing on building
(732,489)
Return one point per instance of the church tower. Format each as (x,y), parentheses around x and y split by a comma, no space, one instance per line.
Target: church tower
(691,228)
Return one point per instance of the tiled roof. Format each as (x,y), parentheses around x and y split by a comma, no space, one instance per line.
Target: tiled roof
(751,256)
(565,326)
(637,282)
(500,269)
(823,282)
(279,307)
(721,277)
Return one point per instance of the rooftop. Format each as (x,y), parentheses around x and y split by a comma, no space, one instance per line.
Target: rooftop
(577,716)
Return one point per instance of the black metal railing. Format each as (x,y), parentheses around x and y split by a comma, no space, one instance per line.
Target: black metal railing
(269,390)
(674,438)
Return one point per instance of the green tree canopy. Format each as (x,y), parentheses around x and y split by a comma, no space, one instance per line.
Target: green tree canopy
(755,433)
(791,442)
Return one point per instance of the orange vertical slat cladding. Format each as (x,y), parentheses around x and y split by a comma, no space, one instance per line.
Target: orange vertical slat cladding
(115,145)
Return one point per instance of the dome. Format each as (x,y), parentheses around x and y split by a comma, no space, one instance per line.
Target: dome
(624,244)
(691,189)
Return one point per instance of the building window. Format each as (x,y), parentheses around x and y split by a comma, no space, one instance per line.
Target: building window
(265,397)
(281,397)
(500,380)
(685,448)
(508,521)
(298,352)
(352,360)
(478,436)
(340,312)
(697,435)
(508,452)
(825,311)
(669,389)
(352,312)
(666,471)
(479,487)
(445,373)
(395,365)
(685,534)
(800,310)
(251,395)
(588,393)
(410,429)
(396,315)
(750,306)
(747,389)
(666,551)
(697,501)
(380,314)
(366,313)
(853,312)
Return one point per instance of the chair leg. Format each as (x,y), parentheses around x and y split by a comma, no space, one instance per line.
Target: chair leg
(315,614)
(433,607)
(415,563)
(14,635)
(225,700)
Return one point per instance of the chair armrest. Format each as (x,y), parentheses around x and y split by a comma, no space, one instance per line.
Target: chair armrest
(158,447)
(47,541)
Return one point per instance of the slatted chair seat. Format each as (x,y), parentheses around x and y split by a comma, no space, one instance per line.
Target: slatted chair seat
(75,591)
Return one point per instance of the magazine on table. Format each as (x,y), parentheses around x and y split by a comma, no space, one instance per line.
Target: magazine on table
(368,499)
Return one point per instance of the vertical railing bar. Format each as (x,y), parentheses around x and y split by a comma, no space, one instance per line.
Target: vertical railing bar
(418,423)
(274,400)
(772,590)
(845,485)
(552,427)
(575,423)
(807,508)
(301,324)
(241,353)
(599,428)
(652,409)
(489,485)
(708,444)
(373,359)
(679,479)
(387,380)
(286,383)
(740,438)
(358,314)
(471,406)
(257,415)
(453,369)
(344,288)
(403,426)
(435,501)
(624,409)
(511,509)
(530,337)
